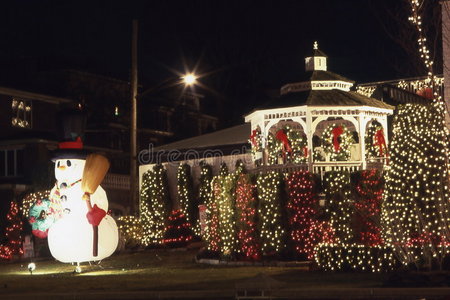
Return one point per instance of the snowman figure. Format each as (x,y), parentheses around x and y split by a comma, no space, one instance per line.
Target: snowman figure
(70,238)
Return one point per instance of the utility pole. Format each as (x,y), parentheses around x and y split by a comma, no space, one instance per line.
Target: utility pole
(133,125)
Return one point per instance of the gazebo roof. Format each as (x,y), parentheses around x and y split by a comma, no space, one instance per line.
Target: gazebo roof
(318,75)
(332,97)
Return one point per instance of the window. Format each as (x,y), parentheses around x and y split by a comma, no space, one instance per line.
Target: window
(21,113)
(11,163)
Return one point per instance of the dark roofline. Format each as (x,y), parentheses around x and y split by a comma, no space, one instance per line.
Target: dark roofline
(34,96)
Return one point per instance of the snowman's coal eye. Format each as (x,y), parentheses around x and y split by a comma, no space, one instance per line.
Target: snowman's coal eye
(58,164)
(68,163)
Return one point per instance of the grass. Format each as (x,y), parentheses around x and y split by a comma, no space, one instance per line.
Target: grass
(160,270)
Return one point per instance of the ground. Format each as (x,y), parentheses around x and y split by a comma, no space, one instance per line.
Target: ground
(167,274)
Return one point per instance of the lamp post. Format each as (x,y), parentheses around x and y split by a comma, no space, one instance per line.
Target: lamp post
(188,79)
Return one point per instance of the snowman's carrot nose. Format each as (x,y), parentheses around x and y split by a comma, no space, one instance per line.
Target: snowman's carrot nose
(62,168)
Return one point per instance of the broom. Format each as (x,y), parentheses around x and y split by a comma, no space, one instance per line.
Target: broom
(94,171)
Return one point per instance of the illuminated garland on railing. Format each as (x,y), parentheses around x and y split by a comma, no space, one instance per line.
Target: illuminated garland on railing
(270,212)
(154,205)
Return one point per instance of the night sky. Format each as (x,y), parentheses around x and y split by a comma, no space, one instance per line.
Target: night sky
(241,47)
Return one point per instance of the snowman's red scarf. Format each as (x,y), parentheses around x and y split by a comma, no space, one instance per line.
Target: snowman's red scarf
(55,207)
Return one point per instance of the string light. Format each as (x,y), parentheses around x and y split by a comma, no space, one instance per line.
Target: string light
(153,205)
(246,218)
(13,245)
(185,192)
(131,230)
(178,232)
(344,141)
(270,212)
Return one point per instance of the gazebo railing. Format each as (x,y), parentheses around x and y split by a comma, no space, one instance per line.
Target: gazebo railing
(322,167)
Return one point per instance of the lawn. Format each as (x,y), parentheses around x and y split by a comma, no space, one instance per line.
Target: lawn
(160,270)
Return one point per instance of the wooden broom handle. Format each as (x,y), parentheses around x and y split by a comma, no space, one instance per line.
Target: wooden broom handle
(87,197)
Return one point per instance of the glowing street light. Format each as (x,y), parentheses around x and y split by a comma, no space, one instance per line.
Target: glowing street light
(189,79)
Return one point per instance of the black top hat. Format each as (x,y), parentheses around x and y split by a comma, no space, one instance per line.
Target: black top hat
(72,125)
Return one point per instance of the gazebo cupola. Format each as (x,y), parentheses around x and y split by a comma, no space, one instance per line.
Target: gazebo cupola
(316,62)
(319,124)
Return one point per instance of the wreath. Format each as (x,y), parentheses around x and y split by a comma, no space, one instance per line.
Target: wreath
(336,142)
(256,142)
(375,141)
(288,143)
(38,218)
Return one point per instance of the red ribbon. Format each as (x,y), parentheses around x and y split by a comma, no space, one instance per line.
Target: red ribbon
(305,151)
(253,137)
(379,140)
(282,137)
(426,93)
(337,131)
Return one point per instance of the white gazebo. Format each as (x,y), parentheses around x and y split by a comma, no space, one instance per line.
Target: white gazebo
(320,100)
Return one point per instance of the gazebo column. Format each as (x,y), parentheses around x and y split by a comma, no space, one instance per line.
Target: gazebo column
(362,137)
(309,137)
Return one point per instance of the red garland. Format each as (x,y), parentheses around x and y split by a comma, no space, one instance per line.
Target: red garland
(337,131)
(380,140)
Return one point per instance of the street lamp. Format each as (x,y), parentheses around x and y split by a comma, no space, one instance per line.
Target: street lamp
(189,79)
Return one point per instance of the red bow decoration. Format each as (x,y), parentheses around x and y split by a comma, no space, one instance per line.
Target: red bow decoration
(305,151)
(426,93)
(379,140)
(95,215)
(337,131)
(253,138)
(282,137)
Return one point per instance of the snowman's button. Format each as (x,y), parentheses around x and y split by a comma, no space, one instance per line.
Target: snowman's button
(63,185)
(63,198)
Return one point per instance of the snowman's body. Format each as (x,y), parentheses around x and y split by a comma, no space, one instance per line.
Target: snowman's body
(70,238)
